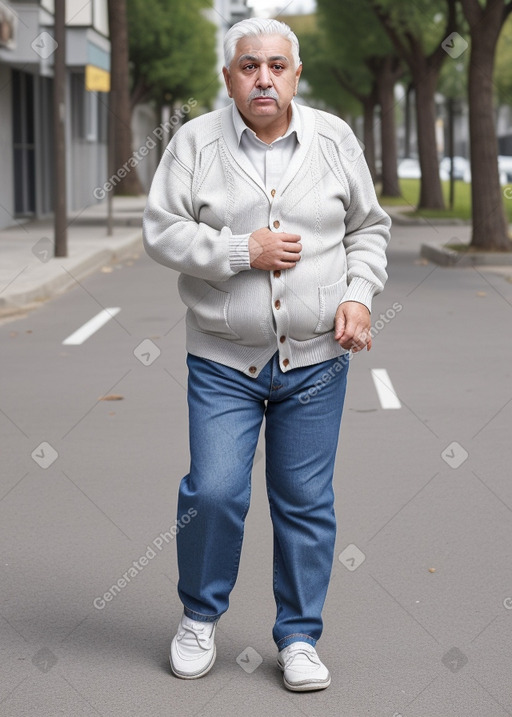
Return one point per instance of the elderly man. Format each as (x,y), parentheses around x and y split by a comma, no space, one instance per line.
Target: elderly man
(268,211)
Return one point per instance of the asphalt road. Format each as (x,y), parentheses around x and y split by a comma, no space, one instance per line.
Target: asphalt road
(418,620)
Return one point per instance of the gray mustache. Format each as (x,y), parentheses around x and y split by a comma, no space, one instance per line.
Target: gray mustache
(269,92)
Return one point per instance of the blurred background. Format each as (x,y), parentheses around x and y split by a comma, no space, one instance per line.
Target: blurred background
(90,94)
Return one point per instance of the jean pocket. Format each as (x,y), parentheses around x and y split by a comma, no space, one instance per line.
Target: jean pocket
(329,298)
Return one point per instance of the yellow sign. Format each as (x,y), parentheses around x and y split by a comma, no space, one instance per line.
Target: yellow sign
(96,79)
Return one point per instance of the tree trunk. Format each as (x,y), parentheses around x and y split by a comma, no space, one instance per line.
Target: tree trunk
(369,134)
(120,98)
(431,195)
(490,227)
(386,79)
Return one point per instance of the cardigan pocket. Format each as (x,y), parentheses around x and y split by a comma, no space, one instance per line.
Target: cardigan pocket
(207,307)
(329,298)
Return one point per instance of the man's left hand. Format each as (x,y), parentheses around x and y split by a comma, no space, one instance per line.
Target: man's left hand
(352,326)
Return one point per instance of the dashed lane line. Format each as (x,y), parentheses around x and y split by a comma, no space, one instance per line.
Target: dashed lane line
(384,387)
(90,327)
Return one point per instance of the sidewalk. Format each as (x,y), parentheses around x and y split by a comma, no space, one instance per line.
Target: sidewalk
(30,274)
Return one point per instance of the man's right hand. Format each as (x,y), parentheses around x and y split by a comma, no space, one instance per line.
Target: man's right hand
(273,250)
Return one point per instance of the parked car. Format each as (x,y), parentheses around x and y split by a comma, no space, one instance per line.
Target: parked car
(504,168)
(460,165)
(409,169)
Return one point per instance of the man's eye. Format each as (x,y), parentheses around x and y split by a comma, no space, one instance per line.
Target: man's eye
(249,67)
(278,67)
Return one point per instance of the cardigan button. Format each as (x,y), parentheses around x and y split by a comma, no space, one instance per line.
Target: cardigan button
(277,273)
(277,224)
(252,369)
(286,362)
(277,304)
(273,192)
(282,339)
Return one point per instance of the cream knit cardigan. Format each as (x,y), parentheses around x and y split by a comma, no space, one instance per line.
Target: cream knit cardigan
(206,199)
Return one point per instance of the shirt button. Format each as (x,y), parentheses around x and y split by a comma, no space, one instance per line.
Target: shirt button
(277,224)
(277,304)
(252,369)
(282,339)
(277,273)
(286,362)
(273,192)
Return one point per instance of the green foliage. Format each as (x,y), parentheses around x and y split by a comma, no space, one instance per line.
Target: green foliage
(453,81)
(503,66)
(423,22)
(318,72)
(354,40)
(172,50)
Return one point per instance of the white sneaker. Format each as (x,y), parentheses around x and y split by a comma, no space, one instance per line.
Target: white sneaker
(193,648)
(303,669)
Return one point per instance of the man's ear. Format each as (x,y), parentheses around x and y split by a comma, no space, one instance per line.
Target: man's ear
(227,80)
(297,77)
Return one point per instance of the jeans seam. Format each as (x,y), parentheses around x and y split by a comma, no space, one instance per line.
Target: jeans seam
(239,547)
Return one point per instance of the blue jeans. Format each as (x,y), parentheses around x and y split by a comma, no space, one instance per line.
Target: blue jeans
(302,410)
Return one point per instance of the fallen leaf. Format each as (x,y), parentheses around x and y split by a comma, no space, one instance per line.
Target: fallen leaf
(481,293)
(111,397)
(106,269)
(431,570)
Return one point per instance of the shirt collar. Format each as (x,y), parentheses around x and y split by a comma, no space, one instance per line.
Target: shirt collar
(241,127)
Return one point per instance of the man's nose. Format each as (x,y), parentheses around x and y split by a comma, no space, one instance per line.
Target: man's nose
(264,78)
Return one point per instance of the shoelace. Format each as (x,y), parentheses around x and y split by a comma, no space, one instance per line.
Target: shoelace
(202,640)
(301,651)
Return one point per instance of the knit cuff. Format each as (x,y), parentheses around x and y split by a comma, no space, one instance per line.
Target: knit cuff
(239,258)
(360,290)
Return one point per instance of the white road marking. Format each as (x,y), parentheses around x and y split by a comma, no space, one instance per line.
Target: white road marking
(385,391)
(89,328)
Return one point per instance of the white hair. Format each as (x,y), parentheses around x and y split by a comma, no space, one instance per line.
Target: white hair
(258,26)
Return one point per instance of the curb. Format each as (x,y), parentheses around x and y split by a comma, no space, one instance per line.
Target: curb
(44,288)
(404,221)
(443,256)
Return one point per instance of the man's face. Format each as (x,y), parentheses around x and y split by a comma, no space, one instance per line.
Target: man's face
(262,65)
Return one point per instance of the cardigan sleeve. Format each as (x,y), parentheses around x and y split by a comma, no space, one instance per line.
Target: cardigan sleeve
(175,239)
(367,228)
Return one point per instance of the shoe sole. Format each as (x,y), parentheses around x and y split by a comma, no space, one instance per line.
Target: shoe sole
(196,675)
(304,686)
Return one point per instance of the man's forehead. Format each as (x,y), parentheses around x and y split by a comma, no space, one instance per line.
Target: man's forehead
(264,47)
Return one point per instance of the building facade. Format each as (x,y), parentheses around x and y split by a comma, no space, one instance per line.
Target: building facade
(26,107)
(224,14)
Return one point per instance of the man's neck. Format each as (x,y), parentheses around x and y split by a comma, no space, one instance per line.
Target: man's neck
(276,128)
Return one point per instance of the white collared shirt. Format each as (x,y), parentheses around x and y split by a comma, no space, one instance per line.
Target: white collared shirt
(269,160)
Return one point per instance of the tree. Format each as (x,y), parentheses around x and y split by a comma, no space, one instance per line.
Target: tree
(172,51)
(503,66)
(490,228)
(336,93)
(119,100)
(368,70)
(417,40)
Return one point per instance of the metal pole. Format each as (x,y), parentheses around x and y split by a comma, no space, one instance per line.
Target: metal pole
(59,130)
(451,147)
(111,153)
